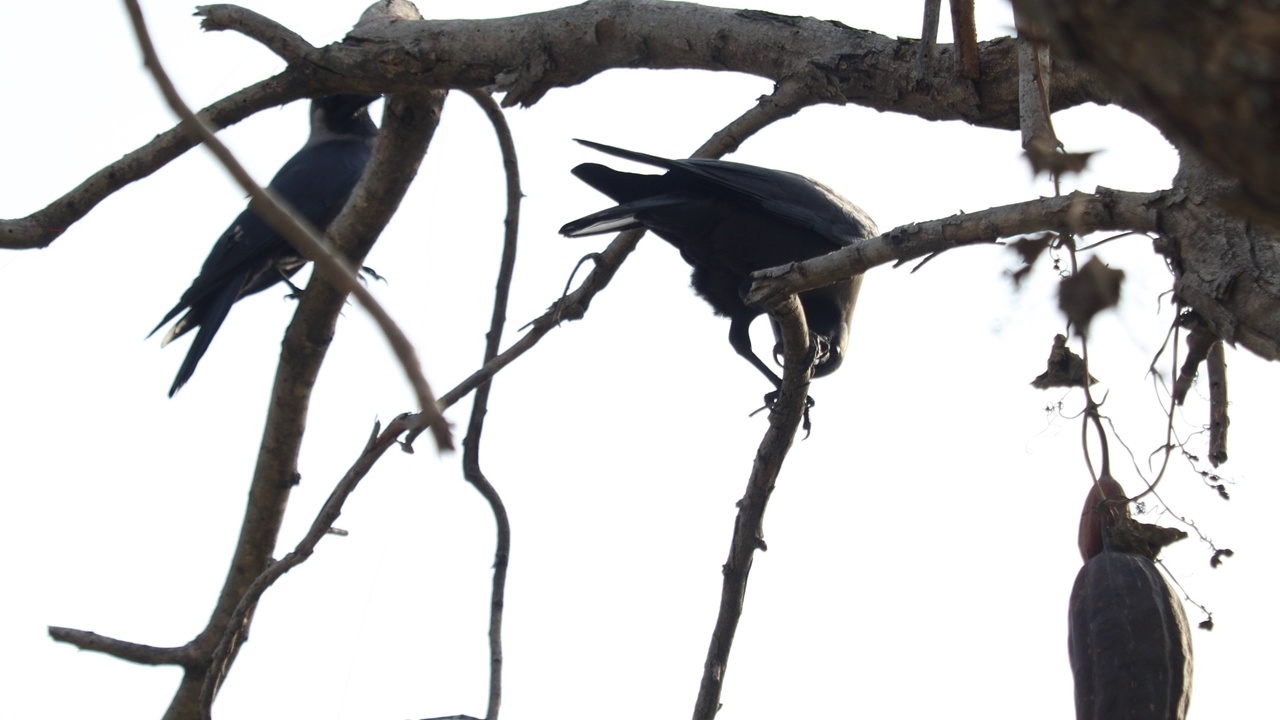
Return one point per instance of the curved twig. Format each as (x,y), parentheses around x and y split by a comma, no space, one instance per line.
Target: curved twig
(287,44)
(480,407)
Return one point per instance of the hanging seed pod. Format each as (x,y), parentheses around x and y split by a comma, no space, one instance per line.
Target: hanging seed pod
(1129,642)
(1128,639)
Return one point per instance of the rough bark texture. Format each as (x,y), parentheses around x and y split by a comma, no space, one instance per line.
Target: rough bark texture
(1225,267)
(1205,73)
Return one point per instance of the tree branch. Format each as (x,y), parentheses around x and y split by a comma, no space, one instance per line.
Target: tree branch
(529,55)
(41,228)
(123,649)
(408,124)
(818,62)
(1219,413)
(964,29)
(287,44)
(220,660)
(928,38)
(784,102)
(302,236)
(480,407)
(374,201)
(1077,213)
(748,529)
(1207,75)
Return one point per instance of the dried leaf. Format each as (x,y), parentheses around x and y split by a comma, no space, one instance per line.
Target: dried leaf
(1064,369)
(1045,157)
(1143,539)
(1030,249)
(1094,288)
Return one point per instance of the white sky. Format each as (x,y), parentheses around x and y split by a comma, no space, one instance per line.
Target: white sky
(921,542)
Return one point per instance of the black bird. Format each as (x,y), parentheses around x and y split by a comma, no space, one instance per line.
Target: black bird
(729,220)
(250,256)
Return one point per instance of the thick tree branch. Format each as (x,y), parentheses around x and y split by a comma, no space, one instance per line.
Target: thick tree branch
(529,55)
(817,61)
(1225,267)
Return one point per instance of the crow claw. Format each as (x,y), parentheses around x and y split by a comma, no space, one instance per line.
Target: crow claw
(771,399)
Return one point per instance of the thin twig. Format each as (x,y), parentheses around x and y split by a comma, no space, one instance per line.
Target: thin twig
(964,30)
(928,38)
(1169,444)
(480,406)
(1199,341)
(122,649)
(287,44)
(1219,419)
(42,227)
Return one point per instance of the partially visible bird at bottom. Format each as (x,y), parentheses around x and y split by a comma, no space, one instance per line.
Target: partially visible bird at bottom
(250,256)
(729,220)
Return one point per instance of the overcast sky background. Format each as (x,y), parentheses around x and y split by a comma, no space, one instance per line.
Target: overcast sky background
(921,541)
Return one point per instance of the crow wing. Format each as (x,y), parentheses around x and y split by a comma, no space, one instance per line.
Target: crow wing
(789,197)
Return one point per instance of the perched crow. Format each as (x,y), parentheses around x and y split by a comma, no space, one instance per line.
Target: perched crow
(729,220)
(250,256)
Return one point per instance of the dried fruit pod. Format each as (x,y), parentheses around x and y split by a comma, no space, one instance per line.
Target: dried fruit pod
(1129,642)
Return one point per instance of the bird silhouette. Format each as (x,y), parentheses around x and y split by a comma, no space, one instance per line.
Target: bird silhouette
(729,220)
(251,256)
